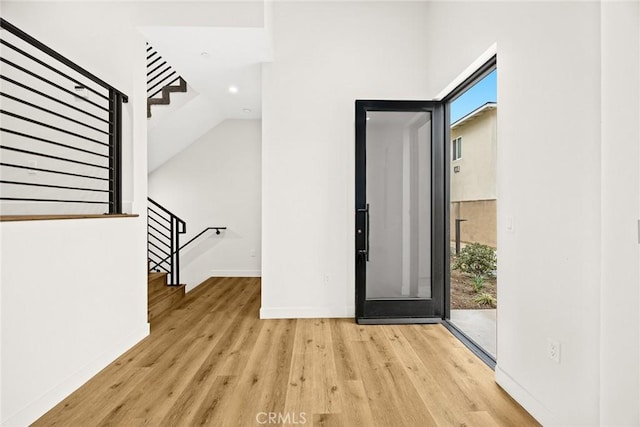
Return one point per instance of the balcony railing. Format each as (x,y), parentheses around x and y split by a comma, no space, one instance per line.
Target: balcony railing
(61,131)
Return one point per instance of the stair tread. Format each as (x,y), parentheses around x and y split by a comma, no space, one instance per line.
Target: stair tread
(165,93)
(156,281)
(157,294)
(153,275)
(164,291)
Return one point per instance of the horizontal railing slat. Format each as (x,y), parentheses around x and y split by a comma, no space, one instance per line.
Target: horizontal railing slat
(53,113)
(58,144)
(33,184)
(52,171)
(49,156)
(49,82)
(51,98)
(48,126)
(61,126)
(52,53)
(28,199)
(168,84)
(49,67)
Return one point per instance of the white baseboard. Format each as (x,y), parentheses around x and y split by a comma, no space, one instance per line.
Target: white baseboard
(306,312)
(236,273)
(51,398)
(524,398)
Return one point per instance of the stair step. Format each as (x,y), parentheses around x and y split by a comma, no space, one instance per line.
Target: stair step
(156,281)
(162,303)
(165,99)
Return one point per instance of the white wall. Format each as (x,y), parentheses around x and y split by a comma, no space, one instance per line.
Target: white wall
(571,260)
(74,292)
(161,112)
(183,126)
(64,321)
(619,292)
(216,182)
(326,56)
(559,260)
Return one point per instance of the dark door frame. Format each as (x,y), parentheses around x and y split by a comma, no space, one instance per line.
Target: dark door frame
(413,310)
(474,78)
(478,75)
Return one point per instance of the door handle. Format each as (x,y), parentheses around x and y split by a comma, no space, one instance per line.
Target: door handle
(365,252)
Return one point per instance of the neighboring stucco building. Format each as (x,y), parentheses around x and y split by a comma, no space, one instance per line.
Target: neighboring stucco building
(473,175)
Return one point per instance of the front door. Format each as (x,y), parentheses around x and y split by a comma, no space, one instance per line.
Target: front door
(400,211)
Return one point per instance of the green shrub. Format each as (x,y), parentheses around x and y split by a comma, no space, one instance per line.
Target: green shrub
(485,299)
(476,260)
(478,283)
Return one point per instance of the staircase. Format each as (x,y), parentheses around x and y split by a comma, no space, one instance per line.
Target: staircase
(164,291)
(165,99)
(161,79)
(164,228)
(162,299)
(163,238)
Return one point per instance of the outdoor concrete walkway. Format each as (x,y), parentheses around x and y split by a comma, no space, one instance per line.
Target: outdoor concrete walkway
(479,325)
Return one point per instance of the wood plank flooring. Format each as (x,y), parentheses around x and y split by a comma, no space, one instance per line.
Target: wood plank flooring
(213,362)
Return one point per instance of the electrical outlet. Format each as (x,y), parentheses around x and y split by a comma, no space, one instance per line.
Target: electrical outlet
(510,224)
(553,350)
(326,279)
(252,253)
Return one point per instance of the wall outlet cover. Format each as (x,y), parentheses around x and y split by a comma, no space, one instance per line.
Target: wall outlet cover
(553,350)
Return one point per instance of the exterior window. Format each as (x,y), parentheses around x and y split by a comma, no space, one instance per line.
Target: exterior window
(456,148)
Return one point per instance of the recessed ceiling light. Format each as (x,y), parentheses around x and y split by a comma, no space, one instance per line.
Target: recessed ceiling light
(233,89)
(246,110)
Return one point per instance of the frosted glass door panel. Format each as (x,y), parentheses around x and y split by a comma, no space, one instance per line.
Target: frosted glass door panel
(398,176)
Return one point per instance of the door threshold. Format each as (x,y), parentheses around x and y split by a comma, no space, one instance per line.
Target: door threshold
(397,320)
(488,359)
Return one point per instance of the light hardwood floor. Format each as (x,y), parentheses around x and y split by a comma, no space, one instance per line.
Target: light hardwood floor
(212,362)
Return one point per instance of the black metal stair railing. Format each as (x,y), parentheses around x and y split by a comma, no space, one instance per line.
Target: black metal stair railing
(161,79)
(61,132)
(163,238)
(159,72)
